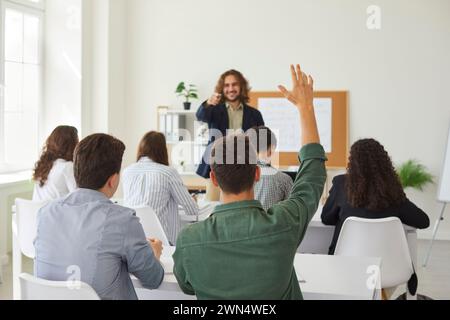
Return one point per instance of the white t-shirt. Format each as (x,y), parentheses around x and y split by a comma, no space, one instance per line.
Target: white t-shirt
(60,182)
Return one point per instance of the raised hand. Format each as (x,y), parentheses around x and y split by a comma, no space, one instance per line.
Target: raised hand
(215,99)
(302,94)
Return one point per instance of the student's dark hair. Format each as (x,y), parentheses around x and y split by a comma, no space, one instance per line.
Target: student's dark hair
(59,145)
(153,145)
(234,162)
(96,159)
(243,83)
(372,181)
(262,138)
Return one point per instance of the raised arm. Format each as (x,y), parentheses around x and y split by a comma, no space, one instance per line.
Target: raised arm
(302,96)
(308,186)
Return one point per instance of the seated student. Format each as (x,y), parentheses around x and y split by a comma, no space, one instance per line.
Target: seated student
(274,186)
(371,189)
(86,232)
(151,182)
(242,251)
(53,172)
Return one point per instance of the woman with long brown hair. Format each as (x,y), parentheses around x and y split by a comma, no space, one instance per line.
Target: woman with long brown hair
(371,189)
(53,173)
(151,182)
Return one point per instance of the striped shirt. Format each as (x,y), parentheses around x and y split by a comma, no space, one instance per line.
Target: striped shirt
(147,183)
(273,187)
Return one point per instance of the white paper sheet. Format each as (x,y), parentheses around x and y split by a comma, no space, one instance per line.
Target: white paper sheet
(282,117)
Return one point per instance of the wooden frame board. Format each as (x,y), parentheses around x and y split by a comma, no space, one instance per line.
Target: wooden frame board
(338,158)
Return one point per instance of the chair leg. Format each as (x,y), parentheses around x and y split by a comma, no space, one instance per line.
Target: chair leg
(17,268)
(384,295)
(409,296)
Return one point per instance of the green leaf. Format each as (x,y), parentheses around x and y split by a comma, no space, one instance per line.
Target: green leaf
(182,91)
(181,87)
(414,175)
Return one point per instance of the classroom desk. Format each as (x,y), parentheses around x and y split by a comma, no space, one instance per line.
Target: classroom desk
(321,278)
(194,182)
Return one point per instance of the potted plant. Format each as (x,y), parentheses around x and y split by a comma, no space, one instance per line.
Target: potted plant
(189,92)
(414,175)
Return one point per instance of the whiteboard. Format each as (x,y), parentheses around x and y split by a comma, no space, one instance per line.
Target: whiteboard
(279,114)
(444,188)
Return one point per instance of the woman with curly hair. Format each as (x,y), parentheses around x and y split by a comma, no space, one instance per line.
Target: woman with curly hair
(371,189)
(53,173)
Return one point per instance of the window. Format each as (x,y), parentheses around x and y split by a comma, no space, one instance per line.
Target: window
(21,83)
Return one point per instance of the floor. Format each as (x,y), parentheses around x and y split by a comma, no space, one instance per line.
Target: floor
(434,281)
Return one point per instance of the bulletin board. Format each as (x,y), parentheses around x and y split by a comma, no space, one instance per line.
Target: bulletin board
(333,125)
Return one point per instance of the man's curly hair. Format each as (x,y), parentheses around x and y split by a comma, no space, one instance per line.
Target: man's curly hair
(243,83)
(372,181)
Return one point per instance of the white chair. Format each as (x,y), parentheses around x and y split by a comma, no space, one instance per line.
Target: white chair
(384,238)
(24,232)
(38,289)
(151,224)
(26,219)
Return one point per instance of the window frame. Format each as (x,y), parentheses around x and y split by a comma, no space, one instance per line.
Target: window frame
(38,10)
(28,3)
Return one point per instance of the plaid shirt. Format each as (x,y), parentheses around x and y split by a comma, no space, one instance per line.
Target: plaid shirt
(274,186)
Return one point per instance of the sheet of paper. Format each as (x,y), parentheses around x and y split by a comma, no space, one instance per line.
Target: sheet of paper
(323,108)
(282,117)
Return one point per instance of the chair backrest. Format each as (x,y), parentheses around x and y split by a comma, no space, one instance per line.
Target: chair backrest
(38,289)
(384,238)
(151,224)
(26,216)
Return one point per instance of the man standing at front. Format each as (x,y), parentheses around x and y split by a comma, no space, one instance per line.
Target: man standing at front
(226,110)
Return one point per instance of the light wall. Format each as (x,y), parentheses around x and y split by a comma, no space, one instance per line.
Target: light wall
(103,52)
(62,67)
(398,77)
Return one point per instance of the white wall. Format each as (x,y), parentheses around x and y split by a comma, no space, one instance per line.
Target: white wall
(398,77)
(95,66)
(104,66)
(62,67)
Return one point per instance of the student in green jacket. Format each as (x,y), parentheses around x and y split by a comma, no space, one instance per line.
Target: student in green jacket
(242,251)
